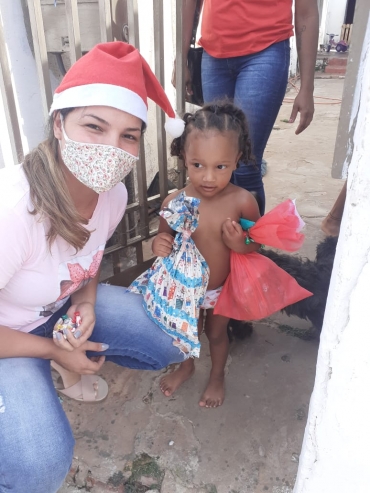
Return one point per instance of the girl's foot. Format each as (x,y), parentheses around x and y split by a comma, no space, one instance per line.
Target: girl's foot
(214,394)
(170,383)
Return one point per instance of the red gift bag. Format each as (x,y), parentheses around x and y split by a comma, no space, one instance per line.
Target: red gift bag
(256,287)
(279,228)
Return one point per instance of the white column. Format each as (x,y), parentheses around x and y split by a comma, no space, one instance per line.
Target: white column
(335,17)
(323,19)
(335,453)
(293,51)
(24,77)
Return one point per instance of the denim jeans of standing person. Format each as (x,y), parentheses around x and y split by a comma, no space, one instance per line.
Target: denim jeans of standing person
(256,83)
(36,440)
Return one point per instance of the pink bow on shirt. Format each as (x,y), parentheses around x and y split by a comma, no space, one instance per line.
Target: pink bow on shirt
(78,275)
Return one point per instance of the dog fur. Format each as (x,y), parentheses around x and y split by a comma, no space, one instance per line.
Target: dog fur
(313,275)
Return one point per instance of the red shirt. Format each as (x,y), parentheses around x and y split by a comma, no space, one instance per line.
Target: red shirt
(240,27)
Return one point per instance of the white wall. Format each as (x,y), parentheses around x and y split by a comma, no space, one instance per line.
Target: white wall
(335,453)
(24,75)
(6,155)
(293,50)
(335,17)
(323,19)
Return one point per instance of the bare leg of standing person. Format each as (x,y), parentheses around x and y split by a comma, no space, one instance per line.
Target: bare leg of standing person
(171,382)
(331,224)
(216,331)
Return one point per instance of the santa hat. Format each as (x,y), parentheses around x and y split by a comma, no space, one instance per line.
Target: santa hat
(115,74)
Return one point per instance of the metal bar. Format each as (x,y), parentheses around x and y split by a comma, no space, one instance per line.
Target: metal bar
(116,262)
(105,17)
(128,225)
(133,32)
(142,190)
(74,35)
(134,206)
(121,233)
(10,109)
(126,277)
(129,182)
(133,23)
(139,253)
(160,119)
(180,61)
(41,56)
(180,80)
(131,242)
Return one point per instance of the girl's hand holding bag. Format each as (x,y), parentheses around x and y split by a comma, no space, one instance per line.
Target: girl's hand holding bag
(256,287)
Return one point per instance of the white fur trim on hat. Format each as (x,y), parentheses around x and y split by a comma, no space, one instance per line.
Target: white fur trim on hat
(101,95)
(174,127)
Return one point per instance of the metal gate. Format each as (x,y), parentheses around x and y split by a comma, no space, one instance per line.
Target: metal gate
(58,27)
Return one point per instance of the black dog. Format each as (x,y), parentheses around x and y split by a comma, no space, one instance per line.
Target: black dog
(313,275)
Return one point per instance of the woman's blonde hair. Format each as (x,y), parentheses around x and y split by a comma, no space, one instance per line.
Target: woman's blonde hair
(49,193)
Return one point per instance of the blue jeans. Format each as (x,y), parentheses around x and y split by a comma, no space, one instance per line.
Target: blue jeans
(36,441)
(257,84)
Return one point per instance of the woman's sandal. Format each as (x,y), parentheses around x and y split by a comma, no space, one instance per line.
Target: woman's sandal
(90,388)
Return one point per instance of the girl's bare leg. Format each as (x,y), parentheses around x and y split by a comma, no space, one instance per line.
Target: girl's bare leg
(331,224)
(174,380)
(216,330)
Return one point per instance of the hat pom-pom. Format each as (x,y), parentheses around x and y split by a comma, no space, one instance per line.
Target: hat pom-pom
(174,127)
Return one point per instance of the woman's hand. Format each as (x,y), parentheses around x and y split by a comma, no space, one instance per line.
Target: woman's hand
(234,238)
(83,332)
(188,81)
(77,361)
(162,244)
(303,104)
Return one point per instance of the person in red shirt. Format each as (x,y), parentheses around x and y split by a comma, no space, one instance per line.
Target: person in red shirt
(246,58)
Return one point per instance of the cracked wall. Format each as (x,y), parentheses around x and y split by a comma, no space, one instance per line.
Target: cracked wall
(335,448)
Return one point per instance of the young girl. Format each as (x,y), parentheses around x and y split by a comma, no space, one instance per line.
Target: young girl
(214,140)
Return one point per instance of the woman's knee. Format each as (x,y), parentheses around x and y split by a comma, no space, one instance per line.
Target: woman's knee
(39,468)
(134,339)
(35,436)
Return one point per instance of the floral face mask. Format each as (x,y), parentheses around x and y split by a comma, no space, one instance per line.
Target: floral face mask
(98,166)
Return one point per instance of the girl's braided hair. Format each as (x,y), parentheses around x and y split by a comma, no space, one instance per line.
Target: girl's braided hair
(221,116)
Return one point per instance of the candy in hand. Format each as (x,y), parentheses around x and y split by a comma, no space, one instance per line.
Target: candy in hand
(67,323)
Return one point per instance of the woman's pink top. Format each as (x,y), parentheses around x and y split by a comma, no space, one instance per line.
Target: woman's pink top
(34,280)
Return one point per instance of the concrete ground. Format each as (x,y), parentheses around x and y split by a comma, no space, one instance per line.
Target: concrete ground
(138,440)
